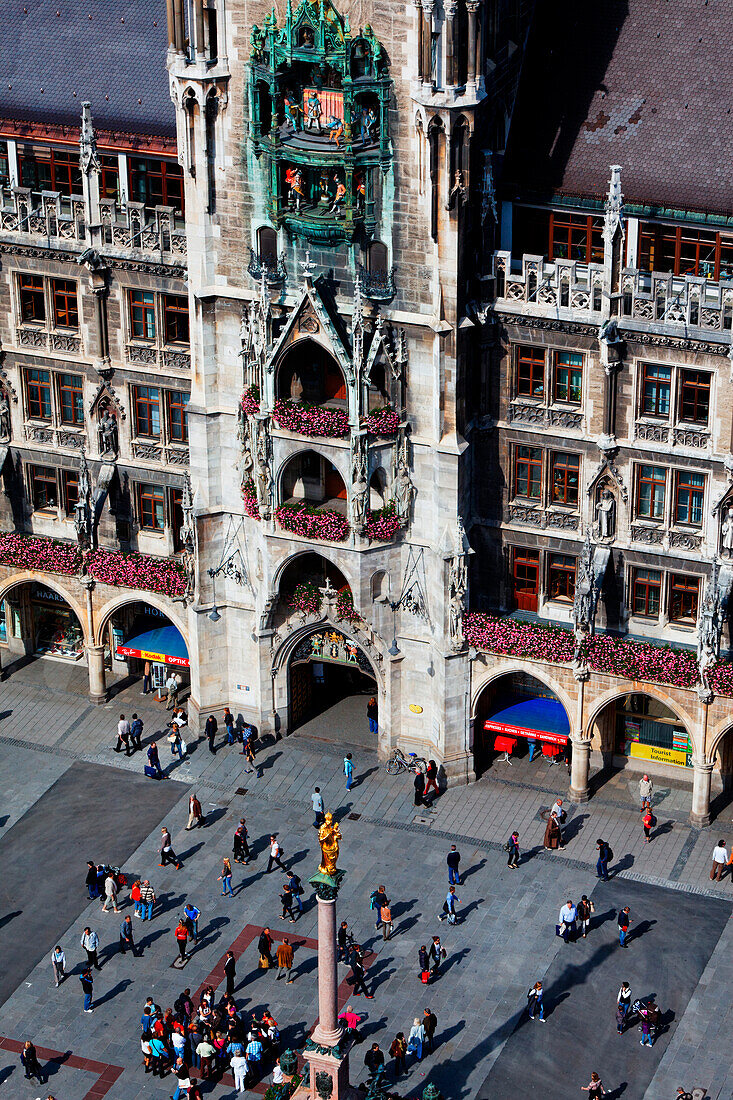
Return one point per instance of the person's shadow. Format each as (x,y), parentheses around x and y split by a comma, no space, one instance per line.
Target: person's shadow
(113,992)
(5,1073)
(573,827)
(635,933)
(359,779)
(453,960)
(624,864)
(473,869)
(660,830)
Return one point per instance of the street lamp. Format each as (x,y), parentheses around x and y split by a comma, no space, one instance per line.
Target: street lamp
(214,615)
(394,649)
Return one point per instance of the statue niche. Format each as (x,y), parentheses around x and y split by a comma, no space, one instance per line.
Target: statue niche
(605,512)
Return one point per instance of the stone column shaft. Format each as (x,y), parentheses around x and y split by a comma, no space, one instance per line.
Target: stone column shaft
(701,777)
(328,1030)
(579,772)
(95,666)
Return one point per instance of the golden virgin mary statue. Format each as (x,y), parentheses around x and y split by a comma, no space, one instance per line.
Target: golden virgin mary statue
(329,836)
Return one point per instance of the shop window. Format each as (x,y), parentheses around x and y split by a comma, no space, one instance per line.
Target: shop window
(568,380)
(646,593)
(526,578)
(528,472)
(565,478)
(71,399)
(43,487)
(177,402)
(56,628)
(69,490)
(683,598)
(650,492)
(656,387)
(151,507)
(38,393)
(146,406)
(561,577)
(175,319)
(694,401)
(156,182)
(576,237)
(32,299)
(142,314)
(42,168)
(530,372)
(689,496)
(65,308)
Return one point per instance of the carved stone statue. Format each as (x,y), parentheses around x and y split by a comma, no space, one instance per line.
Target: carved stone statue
(296,388)
(329,836)
(606,514)
(82,508)
(359,484)
(108,435)
(187,532)
(457,587)
(404,491)
(248,463)
(4,415)
(726,533)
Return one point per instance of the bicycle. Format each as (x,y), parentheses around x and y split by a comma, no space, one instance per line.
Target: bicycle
(398,762)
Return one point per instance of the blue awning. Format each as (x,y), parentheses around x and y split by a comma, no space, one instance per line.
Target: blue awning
(165,644)
(544,719)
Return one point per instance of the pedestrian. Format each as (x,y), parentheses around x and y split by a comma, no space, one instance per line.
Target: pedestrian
(240,847)
(536,1003)
(176,741)
(453,859)
(158,1055)
(172,686)
(147,900)
(110,893)
(228,720)
(646,790)
(167,855)
(594,1088)
(436,954)
(90,943)
(147,679)
(58,963)
(154,762)
(136,732)
(512,847)
(230,973)
(275,853)
(372,711)
(385,915)
(240,1069)
(605,855)
(624,920)
(286,901)
(317,803)
(192,915)
(568,917)
(559,812)
(648,821)
(205,1052)
(123,736)
(181,937)
(296,889)
(623,1004)
(87,987)
(253,1053)
(419,785)
(431,779)
(553,836)
(127,939)
(341,940)
(183,1083)
(249,754)
(31,1065)
(416,1038)
(374,1062)
(423,964)
(195,813)
(135,897)
(210,731)
(348,770)
(91,881)
(357,970)
(585,907)
(284,955)
(720,859)
(449,906)
(430,1023)
(264,946)
(398,1051)
(649,1022)
(377,899)
(682,1094)
(225,878)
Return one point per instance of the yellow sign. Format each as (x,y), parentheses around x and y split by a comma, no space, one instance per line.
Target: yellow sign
(415,708)
(660,756)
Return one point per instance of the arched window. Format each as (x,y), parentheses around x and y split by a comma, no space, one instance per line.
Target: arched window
(379,586)
(378,489)
(267,245)
(377,258)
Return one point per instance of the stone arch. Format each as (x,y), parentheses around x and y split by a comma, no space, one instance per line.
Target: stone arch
(283,653)
(512,667)
(322,552)
(312,448)
(379,583)
(327,373)
(715,740)
(653,691)
(135,596)
(50,581)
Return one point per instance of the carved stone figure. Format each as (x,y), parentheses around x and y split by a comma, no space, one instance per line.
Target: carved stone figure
(296,388)
(606,514)
(329,836)
(726,532)
(248,464)
(359,485)
(82,508)
(457,586)
(108,436)
(585,588)
(404,491)
(187,532)
(4,415)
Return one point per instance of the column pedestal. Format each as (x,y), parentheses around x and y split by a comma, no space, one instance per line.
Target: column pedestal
(95,666)
(701,777)
(579,772)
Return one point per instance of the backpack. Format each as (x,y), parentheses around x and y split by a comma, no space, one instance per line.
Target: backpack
(609,853)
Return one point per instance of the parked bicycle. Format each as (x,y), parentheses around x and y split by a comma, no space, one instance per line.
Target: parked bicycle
(398,762)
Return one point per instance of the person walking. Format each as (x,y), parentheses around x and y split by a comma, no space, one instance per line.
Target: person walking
(349,770)
(195,813)
(147,900)
(623,1004)
(167,855)
(453,859)
(172,685)
(110,893)
(512,848)
(135,897)
(239,1065)
(605,855)
(646,790)
(419,785)
(228,720)
(91,881)
(429,1023)
(210,730)
(154,761)
(225,878)
(385,915)
(584,908)
(230,973)
(123,736)
(568,917)
(449,906)
(58,963)
(240,846)
(436,954)
(357,971)
(342,941)
(181,937)
(372,711)
(416,1038)
(31,1065)
(275,853)
(648,821)
(594,1088)
(398,1051)
(377,900)
(284,955)
(553,836)
(431,779)
(127,938)
(147,679)
(183,1082)
(374,1062)
(296,889)
(720,860)
(317,803)
(136,732)
(264,946)
(286,901)
(87,987)
(624,920)
(649,1023)
(90,943)
(536,1003)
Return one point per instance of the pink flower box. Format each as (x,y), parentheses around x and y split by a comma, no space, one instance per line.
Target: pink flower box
(311,420)
(383,525)
(38,552)
(251,400)
(303,520)
(383,422)
(249,496)
(162,575)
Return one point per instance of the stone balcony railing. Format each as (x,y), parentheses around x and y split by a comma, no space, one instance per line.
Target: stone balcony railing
(53,216)
(570,290)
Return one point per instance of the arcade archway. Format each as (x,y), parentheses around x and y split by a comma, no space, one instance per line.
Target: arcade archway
(37,619)
(517,713)
(639,726)
(138,639)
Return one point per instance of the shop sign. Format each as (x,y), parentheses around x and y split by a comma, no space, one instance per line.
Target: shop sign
(531,735)
(125,651)
(47,595)
(659,755)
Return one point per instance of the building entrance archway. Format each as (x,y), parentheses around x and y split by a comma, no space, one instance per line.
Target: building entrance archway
(517,713)
(639,726)
(140,641)
(37,620)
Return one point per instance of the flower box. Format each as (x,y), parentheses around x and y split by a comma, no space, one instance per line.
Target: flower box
(311,420)
(249,496)
(309,523)
(162,575)
(345,609)
(383,422)
(251,400)
(306,598)
(36,552)
(384,524)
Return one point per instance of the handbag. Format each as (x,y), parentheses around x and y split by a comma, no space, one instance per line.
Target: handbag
(559,929)
(592,906)
(425,977)
(264,962)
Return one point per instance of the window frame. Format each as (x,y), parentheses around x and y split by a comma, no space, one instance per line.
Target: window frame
(566,230)
(61,292)
(561,568)
(60,162)
(646,586)
(34,294)
(698,388)
(32,388)
(532,463)
(681,583)
(569,367)
(642,479)
(150,497)
(40,473)
(77,399)
(648,379)
(181,407)
(563,461)
(166,171)
(148,311)
(171,318)
(696,495)
(535,366)
(141,401)
(69,500)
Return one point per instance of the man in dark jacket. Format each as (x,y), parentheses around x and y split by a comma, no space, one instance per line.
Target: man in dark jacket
(127,939)
(374,1061)
(210,730)
(429,1023)
(154,760)
(453,859)
(264,945)
(136,732)
(230,972)
(357,969)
